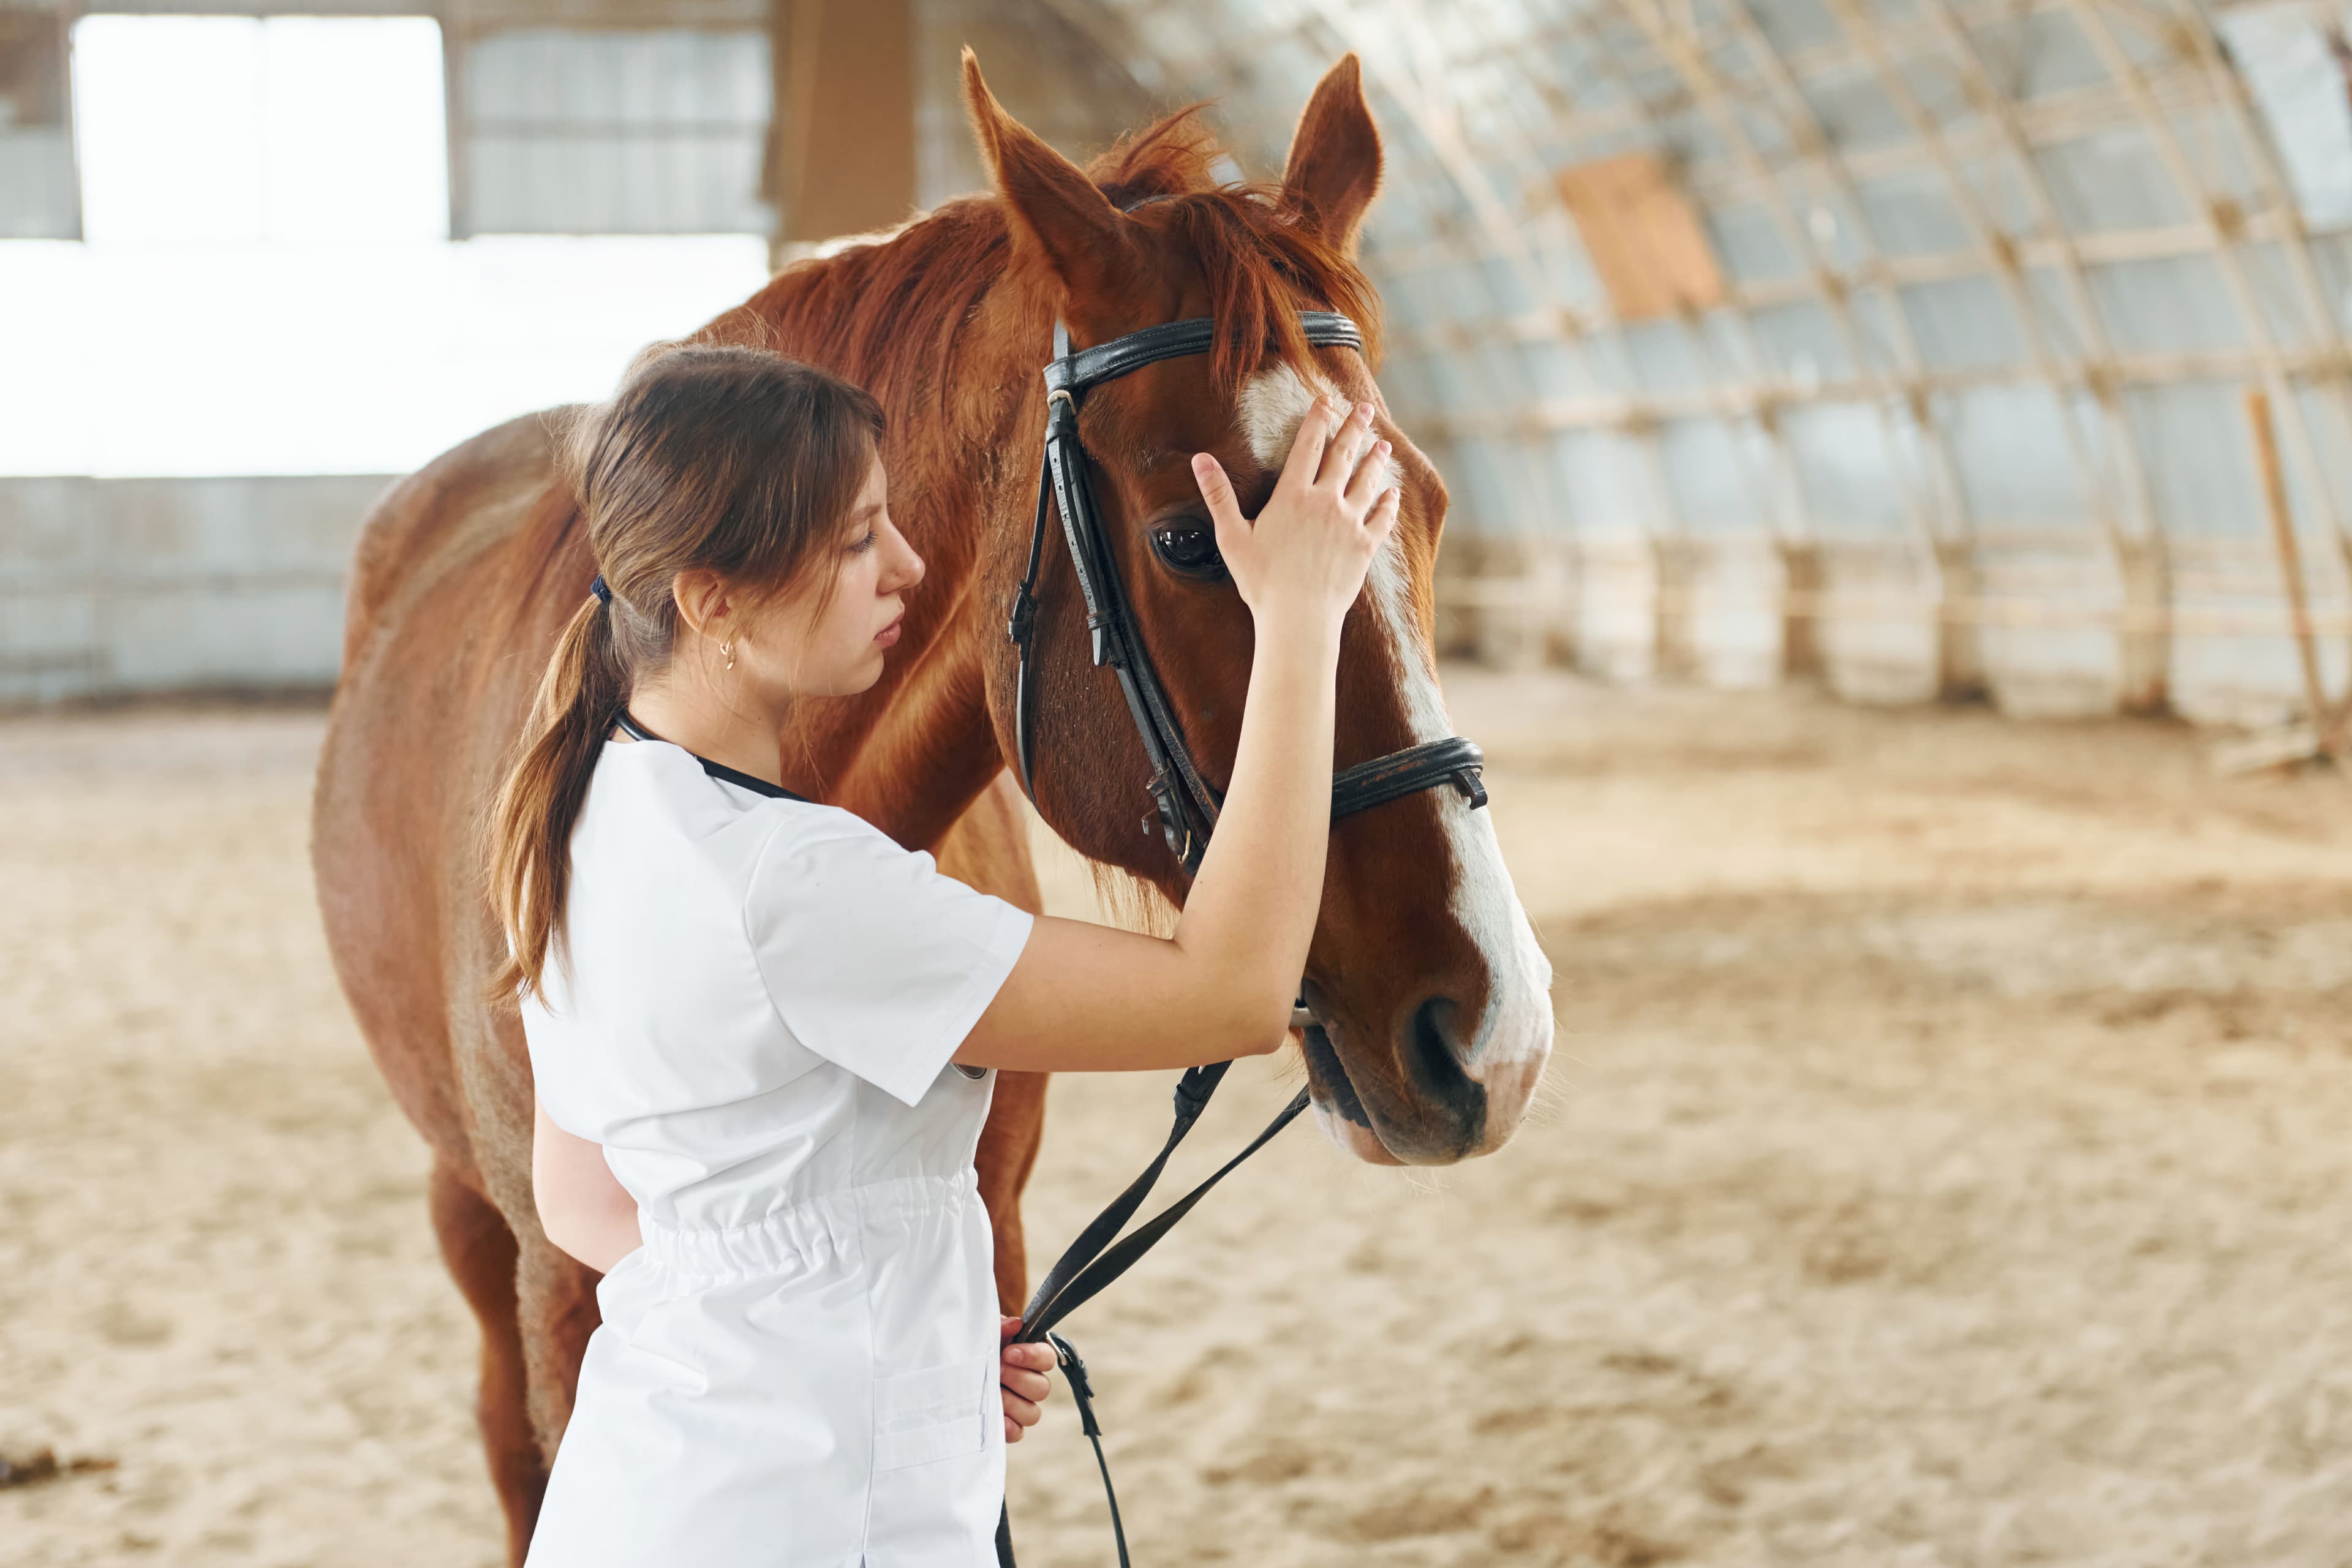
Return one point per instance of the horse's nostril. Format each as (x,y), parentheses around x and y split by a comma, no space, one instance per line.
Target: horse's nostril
(1433,1030)
(1433,1054)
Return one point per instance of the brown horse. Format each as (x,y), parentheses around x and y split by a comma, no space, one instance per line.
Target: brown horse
(1431,994)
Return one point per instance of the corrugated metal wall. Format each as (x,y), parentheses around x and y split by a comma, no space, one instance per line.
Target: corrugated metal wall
(1998,276)
(112,588)
(638,131)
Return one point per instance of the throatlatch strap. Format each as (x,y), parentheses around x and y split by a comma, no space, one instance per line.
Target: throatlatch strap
(1020,626)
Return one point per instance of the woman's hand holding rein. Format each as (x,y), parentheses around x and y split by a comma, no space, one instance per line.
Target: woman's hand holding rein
(1084,996)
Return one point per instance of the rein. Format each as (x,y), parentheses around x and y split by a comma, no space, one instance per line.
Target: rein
(1092,1262)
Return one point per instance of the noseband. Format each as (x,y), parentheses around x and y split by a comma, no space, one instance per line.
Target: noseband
(1184,803)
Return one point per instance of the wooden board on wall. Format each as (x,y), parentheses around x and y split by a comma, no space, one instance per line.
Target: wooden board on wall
(1643,236)
(845,116)
(40,198)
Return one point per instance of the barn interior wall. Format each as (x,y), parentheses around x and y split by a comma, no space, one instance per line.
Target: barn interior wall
(1957,402)
(126,587)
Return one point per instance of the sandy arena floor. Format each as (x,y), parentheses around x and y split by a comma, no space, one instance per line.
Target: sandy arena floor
(1947,1160)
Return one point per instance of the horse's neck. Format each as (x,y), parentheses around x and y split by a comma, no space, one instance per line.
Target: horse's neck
(910,754)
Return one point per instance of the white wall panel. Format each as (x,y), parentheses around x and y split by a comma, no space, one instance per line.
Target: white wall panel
(641,131)
(120,587)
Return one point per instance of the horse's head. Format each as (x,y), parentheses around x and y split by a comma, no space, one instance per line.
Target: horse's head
(1431,995)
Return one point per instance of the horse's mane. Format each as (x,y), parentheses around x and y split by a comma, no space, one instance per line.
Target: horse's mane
(889,312)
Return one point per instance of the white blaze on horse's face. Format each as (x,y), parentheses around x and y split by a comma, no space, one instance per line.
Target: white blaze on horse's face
(1514,1036)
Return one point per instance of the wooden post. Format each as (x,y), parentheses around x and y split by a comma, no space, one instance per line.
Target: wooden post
(1801,610)
(2258,414)
(845,116)
(457,46)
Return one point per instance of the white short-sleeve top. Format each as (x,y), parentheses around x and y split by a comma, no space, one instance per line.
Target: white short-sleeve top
(753,1013)
(745,978)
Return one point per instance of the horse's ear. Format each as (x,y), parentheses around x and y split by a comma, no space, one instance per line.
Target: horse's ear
(1335,155)
(1056,210)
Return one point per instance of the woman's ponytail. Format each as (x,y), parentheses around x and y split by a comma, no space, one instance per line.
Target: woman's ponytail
(531,828)
(710,457)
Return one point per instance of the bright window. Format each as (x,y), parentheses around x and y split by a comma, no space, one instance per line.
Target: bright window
(267,286)
(238,129)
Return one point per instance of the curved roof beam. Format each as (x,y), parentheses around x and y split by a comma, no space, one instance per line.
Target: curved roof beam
(1707,90)
(1791,517)
(1639,418)
(2328,377)
(2222,223)
(1431,117)
(2101,373)
(2000,259)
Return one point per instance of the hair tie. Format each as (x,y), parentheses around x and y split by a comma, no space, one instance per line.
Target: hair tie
(603,595)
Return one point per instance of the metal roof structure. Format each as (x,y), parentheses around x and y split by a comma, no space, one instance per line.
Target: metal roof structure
(1964,405)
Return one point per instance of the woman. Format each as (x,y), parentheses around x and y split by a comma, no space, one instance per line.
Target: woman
(763,1034)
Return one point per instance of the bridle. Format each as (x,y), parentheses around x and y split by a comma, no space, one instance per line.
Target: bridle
(1184,803)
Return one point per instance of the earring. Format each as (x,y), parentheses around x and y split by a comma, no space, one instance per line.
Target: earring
(727,648)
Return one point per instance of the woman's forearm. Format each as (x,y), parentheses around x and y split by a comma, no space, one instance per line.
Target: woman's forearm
(1087,998)
(1251,912)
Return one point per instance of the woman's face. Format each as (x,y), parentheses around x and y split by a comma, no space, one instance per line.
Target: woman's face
(797,646)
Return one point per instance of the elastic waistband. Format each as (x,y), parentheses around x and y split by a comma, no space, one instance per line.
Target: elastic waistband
(805,1234)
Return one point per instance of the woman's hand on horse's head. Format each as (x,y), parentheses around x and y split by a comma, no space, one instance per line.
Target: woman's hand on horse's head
(1307,551)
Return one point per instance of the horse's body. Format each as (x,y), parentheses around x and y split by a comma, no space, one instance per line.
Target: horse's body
(467,571)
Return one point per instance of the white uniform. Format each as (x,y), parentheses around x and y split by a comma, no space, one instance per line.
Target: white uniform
(754,1016)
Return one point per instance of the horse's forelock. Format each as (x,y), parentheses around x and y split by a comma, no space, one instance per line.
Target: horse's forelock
(1262,258)
(1265,261)
(1175,153)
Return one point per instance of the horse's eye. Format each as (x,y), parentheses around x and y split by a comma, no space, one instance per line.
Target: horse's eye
(1191,551)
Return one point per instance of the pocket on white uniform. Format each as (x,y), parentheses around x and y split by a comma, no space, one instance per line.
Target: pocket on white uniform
(936,1412)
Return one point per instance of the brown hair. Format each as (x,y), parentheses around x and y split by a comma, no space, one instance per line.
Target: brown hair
(722,458)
